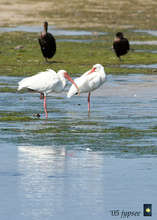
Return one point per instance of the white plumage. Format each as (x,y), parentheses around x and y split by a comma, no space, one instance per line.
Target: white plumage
(46,82)
(89,81)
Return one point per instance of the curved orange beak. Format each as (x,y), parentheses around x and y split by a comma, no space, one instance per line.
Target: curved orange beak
(92,70)
(66,75)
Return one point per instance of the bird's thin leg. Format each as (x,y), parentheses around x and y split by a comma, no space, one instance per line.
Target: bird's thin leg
(88,102)
(45,107)
(48,61)
(120,59)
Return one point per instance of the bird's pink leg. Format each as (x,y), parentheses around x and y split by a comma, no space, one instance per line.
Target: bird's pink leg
(88,102)
(45,107)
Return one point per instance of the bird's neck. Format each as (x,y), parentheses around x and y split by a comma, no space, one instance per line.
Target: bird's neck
(45,28)
(44,31)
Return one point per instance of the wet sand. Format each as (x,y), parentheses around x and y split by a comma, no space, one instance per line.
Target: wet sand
(82,14)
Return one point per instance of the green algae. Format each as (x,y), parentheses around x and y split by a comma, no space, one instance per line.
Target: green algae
(15,117)
(74,57)
(8,89)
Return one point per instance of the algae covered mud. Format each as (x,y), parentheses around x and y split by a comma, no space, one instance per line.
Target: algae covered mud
(77,51)
(83,14)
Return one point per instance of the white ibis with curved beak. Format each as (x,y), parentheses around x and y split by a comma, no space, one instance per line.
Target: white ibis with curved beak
(89,81)
(45,83)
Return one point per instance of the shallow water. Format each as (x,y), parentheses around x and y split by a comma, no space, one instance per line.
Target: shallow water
(145,51)
(97,40)
(139,66)
(75,166)
(150,32)
(62,32)
(55,31)
(152,42)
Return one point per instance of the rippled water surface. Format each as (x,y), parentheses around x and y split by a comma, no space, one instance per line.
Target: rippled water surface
(76,165)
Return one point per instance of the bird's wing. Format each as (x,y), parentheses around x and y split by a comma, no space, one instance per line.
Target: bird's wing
(41,82)
(127,44)
(85,74)
(116,47)
(48,45)
(51,39)
(94,81)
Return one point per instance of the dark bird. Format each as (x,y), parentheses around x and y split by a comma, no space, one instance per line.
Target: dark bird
(47,43)
(120,45)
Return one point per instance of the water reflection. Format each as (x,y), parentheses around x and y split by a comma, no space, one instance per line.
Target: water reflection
(58,181)
(68,183)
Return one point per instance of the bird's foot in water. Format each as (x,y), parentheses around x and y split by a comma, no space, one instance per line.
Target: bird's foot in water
(36,115)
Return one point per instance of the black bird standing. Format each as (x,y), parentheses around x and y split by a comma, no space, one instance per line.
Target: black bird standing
(47,43)
(120,45)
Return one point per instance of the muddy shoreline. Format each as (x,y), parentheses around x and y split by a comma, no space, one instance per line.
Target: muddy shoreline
(88,14)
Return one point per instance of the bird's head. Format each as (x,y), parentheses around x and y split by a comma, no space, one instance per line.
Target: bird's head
(63,73)
(45,26)
(119,35)
(96,68)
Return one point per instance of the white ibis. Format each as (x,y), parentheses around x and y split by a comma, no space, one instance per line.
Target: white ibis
(120,45)
(89,81)
(45,83)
